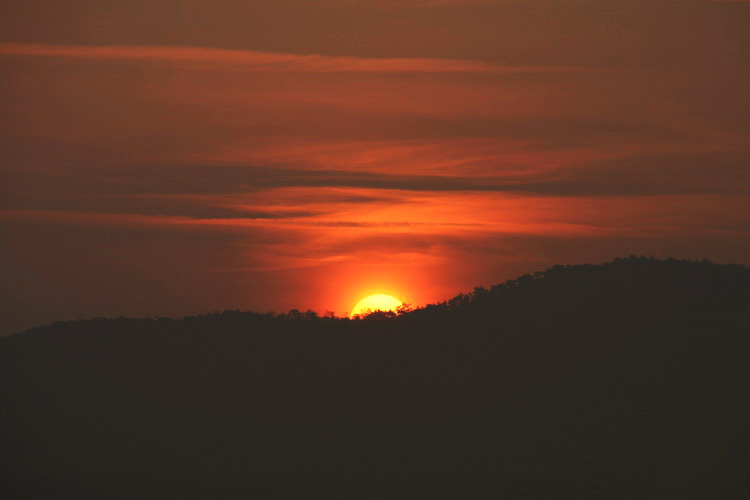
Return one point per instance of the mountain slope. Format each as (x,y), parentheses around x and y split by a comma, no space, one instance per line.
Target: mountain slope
(624,380)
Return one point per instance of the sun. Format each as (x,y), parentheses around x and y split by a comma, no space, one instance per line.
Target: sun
(377,302)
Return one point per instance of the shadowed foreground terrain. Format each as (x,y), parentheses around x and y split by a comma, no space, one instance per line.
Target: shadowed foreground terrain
(624,380)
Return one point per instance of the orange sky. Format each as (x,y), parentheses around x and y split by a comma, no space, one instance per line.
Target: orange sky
(172,158)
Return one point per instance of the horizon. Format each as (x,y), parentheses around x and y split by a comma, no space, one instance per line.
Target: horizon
(405,308)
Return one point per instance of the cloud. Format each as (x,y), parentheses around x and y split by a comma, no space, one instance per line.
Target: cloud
(243,195)
(674,173)
(264,61)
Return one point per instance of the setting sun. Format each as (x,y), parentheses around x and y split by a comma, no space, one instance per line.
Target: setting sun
(377,302)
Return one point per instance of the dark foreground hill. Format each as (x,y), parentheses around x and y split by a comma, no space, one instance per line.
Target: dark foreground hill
(625,380)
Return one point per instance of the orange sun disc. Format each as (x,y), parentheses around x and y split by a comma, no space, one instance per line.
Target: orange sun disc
(377,302)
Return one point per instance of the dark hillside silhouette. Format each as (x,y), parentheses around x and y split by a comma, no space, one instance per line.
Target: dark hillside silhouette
(629,379)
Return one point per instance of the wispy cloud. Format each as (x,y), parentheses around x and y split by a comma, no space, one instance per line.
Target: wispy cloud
(266,61)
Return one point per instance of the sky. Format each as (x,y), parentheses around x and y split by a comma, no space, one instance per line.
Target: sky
(169,158)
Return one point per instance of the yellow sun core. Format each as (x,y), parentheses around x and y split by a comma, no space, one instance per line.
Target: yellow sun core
(377,302)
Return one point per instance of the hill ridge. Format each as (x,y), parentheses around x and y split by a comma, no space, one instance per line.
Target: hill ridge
(632,266)
(624,380)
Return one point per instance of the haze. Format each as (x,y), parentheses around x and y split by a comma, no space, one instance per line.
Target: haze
(172,158)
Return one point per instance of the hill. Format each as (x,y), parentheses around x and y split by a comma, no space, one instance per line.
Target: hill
(623,380)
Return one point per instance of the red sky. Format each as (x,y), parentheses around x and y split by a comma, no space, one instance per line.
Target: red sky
(172,158)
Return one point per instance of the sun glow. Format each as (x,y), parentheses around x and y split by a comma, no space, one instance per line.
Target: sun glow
(377,302)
